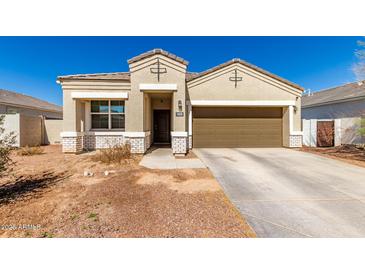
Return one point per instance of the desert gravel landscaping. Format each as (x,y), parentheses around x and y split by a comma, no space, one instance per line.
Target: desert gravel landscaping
(48,195)
(347,153)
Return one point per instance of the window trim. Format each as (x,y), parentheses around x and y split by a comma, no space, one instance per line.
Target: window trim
(109,113)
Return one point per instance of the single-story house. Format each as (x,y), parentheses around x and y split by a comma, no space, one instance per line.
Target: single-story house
(12,102)
(340,108)
(34,121)
(235,104)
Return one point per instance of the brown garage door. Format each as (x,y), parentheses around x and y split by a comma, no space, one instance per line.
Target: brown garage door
(237,127)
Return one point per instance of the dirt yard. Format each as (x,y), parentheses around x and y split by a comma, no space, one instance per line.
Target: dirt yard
(346,153)
(48,196)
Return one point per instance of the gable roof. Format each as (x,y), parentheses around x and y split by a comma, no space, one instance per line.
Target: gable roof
(190,76)
(14,98)
(157,51)
(242,62)
(346,92)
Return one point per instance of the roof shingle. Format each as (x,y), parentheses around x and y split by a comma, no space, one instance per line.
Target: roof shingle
(14,98)
(98,76)
(336,94)
(125,76)
(157,51)
(242,62)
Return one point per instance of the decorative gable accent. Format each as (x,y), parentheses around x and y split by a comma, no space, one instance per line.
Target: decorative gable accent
(158,70)
(235,78)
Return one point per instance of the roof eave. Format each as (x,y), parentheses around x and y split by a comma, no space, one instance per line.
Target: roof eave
(334,102)
(32,107)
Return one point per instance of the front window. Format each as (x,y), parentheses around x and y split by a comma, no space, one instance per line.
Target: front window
(107,114)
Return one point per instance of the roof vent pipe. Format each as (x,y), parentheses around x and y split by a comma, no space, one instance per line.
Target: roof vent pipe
(307,92)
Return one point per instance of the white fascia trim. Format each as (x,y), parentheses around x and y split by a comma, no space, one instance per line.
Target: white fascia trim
(116,133)
(99,95)
(241,103)
(105,133)
(137,134)
(168,87)
(296,133)
(71,134)
(179,134)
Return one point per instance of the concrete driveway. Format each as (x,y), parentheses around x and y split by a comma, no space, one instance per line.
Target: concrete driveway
(288,193)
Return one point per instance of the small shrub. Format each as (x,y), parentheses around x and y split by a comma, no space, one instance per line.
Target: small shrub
(360,146)
(74,217)
(361,132)
(28,234)
(47,235)
(115,154)
(30,151)
(93,216)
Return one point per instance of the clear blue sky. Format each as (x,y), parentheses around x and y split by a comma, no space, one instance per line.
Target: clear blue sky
(30,65)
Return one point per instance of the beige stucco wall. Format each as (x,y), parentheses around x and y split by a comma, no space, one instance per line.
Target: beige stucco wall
(297,115)
(285,126)
(75,118)
(69,111)
(52,131)
(30,130)
(147,113)
(253,87)
(161,103)
(141,74)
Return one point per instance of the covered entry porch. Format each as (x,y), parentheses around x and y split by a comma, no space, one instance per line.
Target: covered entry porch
(158,117)
(164,115)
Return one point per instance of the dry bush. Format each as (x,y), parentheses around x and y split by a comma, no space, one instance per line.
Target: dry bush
(7,140)
(360,146)
(30,151)
(115,154)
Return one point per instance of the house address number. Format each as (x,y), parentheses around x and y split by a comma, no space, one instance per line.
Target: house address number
(179,114)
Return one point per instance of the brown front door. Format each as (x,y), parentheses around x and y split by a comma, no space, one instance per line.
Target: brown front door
(325,133)
(161,126)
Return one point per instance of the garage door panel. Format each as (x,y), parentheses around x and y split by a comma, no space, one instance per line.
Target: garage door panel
(237,132)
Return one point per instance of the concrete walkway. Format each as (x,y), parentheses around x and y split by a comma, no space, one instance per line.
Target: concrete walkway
(162,158)
(288,193)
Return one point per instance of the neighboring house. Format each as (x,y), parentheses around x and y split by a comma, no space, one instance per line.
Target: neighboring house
(29,117)
(341,106)
(12,102)
(235,104)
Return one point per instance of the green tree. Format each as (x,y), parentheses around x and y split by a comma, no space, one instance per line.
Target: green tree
(7,140)
(361,129)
